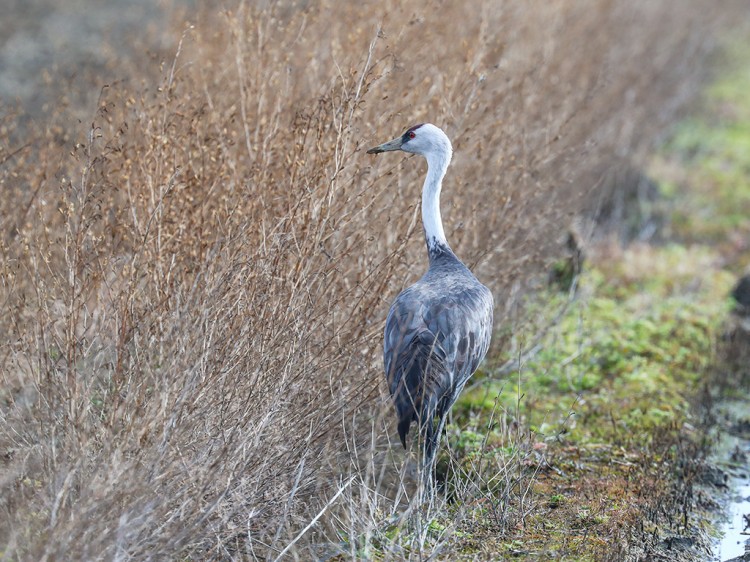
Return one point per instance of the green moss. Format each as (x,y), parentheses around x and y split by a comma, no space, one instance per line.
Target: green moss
(621,355)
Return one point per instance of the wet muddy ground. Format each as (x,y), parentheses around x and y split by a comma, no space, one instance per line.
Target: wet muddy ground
(732,457)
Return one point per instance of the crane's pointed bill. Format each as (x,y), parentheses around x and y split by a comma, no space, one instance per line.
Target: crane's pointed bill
(395,144)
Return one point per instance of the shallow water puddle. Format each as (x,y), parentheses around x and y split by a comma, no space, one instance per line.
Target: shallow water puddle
(734,447)
(736,530)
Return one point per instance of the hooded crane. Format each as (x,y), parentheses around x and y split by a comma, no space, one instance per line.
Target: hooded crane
(438,330)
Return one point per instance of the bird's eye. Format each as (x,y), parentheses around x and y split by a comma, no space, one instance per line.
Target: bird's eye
(412,134)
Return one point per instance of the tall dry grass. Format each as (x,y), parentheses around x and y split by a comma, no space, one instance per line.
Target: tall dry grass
(194,288)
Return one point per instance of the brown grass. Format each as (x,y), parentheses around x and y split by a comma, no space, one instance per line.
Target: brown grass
(194,289)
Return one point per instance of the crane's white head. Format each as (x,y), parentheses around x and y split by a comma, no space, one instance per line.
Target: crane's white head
(425,139)
(433,144)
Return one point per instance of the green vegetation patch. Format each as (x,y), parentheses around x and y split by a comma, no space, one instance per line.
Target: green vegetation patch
(596,410)
(625,357)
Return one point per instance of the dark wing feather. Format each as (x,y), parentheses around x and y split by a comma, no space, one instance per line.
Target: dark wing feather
(411,351)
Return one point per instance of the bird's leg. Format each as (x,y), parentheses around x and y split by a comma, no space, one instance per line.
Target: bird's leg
(427,451)
(430,445)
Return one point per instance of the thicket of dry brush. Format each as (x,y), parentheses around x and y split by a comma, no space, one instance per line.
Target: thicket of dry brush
(193,290)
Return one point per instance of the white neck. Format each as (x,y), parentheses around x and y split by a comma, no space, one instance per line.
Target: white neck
(437,165)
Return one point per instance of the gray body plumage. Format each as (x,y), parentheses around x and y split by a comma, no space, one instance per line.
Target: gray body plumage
(437,332)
